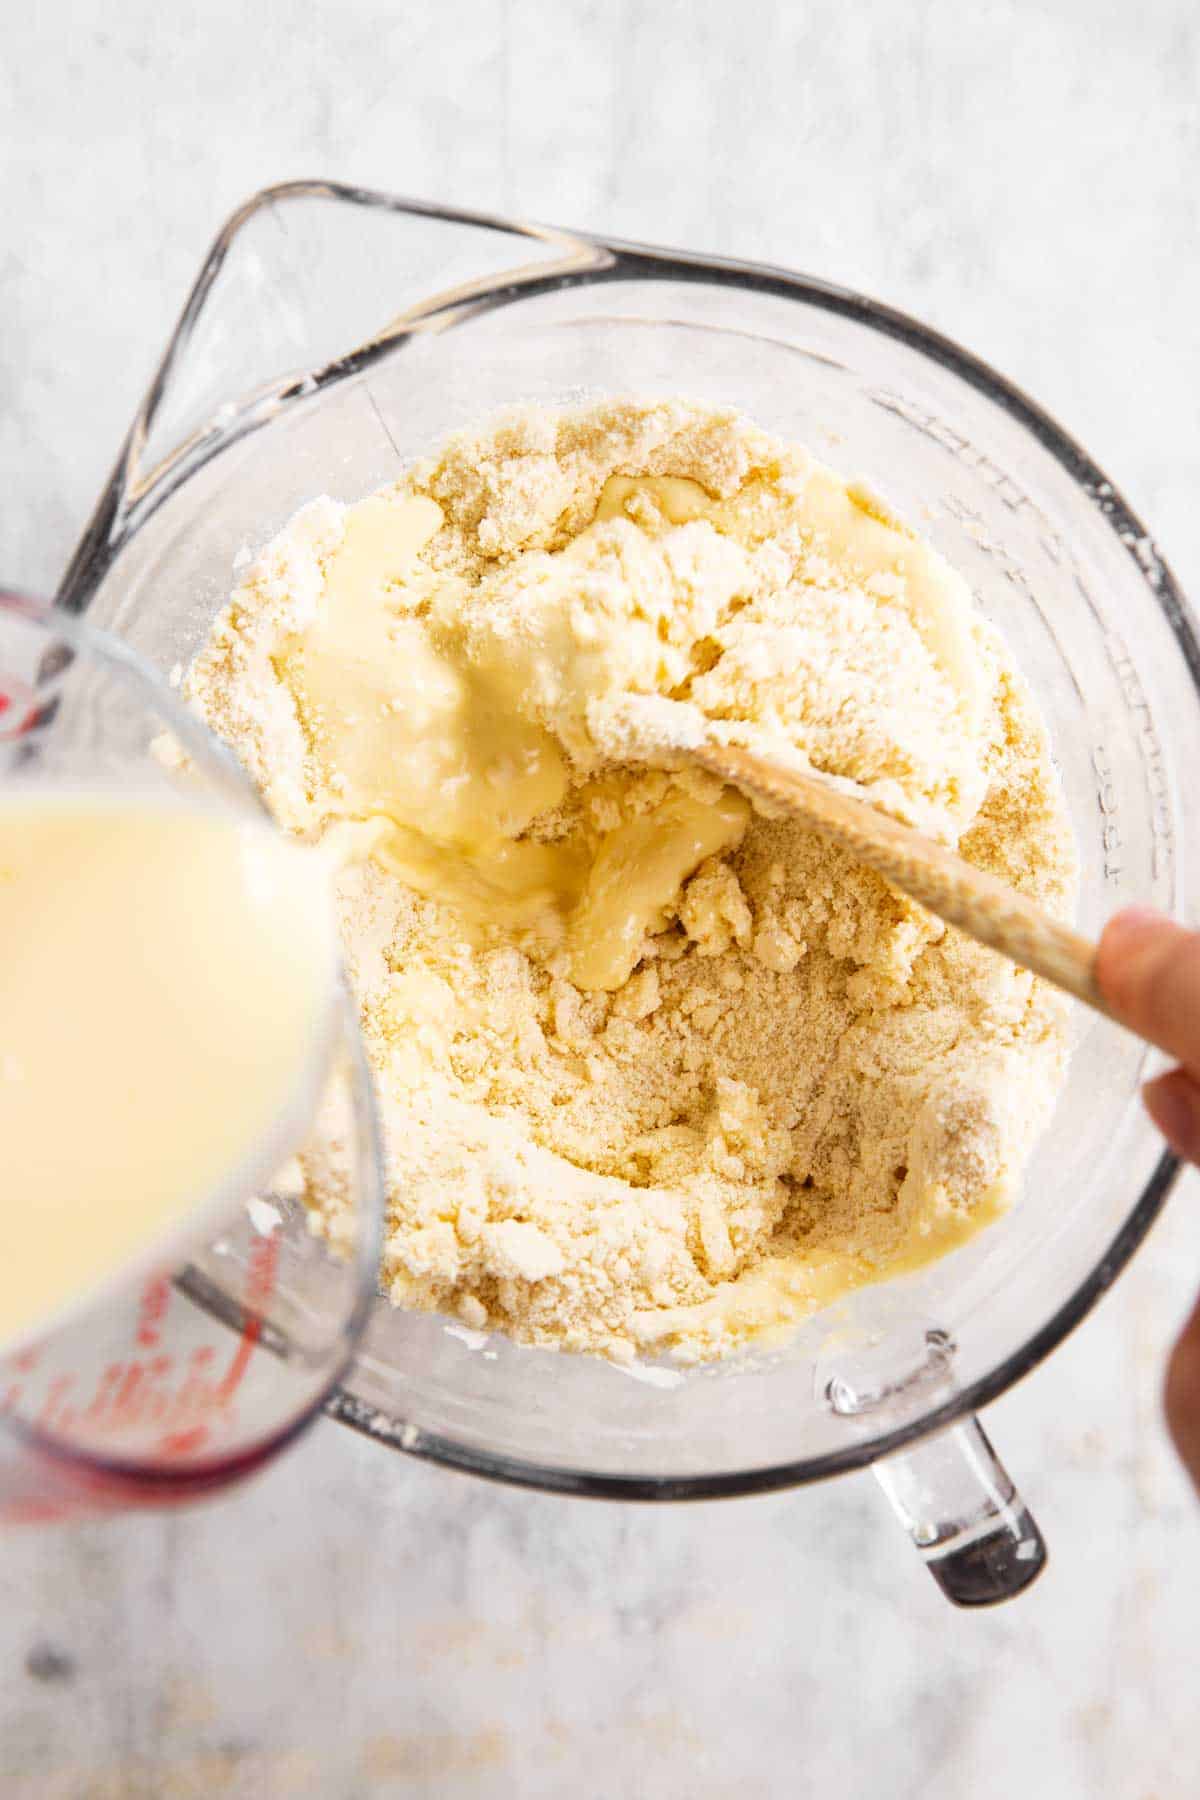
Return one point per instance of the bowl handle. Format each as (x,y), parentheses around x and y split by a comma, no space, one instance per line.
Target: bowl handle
(958,1504)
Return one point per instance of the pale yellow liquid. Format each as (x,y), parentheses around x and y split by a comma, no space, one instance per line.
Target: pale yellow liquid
(166,991)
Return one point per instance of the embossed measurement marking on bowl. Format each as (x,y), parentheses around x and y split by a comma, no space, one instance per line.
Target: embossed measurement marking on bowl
(165,995)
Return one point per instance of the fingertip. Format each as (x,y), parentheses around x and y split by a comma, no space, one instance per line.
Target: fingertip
(1181,1396)
(1173,1102)
(1135,919)
(1148,969)
(1125,937)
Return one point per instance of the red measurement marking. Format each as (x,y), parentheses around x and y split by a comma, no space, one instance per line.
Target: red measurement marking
(184,1443)
(105,1387)
(181,1404)
(127,1393)
(17,708)
(152,1311)
(56,1394)
(264,1260)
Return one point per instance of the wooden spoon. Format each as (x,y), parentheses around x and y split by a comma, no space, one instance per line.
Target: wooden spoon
(955,890)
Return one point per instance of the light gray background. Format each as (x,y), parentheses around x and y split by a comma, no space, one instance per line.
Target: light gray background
(1023,175)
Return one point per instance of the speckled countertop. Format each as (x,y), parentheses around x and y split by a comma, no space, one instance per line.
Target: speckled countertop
(1024,176)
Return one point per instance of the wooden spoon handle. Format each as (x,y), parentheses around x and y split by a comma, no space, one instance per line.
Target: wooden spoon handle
(976,902)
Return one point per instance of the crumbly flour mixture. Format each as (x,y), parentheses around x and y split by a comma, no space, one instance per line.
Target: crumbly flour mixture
(657,1072)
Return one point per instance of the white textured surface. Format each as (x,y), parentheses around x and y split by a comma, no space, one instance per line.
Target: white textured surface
(354,1624)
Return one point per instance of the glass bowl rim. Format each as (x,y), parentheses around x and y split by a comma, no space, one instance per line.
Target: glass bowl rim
(592,259)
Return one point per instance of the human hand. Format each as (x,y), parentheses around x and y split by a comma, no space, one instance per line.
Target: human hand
(1148,969)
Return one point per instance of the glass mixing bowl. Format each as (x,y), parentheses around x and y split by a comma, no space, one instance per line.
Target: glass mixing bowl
(332,335)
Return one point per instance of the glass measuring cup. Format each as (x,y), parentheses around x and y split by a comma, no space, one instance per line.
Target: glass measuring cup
(332,335)
(197,1365)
